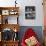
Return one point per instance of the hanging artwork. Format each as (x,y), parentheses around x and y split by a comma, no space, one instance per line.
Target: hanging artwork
(30,12)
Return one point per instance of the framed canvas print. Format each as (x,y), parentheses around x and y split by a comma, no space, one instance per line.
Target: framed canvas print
(5,12)
(12,12)
(30,12)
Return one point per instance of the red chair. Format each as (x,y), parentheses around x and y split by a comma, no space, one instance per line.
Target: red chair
(29,33)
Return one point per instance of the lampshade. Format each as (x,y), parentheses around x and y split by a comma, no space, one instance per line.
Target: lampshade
(15,30)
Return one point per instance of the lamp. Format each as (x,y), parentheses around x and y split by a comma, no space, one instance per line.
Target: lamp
(15,3)
(15,30)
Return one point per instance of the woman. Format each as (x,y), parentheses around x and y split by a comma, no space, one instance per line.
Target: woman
(30,38)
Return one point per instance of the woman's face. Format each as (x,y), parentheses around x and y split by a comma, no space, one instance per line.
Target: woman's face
(31,41)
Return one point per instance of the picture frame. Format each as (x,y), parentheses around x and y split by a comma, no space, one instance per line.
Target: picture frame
(13,12)
(30,12)
(5,12)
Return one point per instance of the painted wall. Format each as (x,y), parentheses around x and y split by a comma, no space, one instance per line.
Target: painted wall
(22,3)
(39,13)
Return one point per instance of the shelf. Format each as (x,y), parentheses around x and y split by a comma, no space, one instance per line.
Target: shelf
(5,12)
(7,16)
(10,19)
(8,10)
(10,26)
(11,41)
(11,15)
(5,8)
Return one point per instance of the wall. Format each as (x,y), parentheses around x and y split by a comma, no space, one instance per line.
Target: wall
(22,3)
(39,13)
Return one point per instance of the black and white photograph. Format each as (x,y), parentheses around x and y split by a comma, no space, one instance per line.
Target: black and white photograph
(30,12)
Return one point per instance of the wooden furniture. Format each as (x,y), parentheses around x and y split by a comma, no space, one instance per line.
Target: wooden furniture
(6,24)
(10,43)
(8,11)
(0,43)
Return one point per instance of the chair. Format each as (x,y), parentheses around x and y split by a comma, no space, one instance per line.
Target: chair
(29,33)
